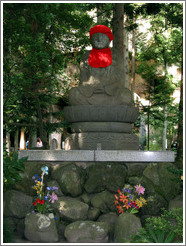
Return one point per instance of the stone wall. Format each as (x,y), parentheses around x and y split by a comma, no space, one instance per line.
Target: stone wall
(86,196)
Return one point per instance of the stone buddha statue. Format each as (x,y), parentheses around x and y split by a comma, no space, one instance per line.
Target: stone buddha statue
(102,80)
(101,111)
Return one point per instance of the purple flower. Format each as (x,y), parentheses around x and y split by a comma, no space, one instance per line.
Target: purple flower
(128,191)
(49,188)
(36,175)
(46,198)
(55,188)
(55,218)
(130,197)
(33,211)
(33,177)
(125,190)
(39,179)
(53,198)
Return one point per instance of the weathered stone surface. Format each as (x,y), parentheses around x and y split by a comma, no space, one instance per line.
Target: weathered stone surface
(99,113)
(110,219)
(61,231)
(177,202)
(93,213)
(40,228)
(155,203)
(9,224)
(134,180)
(101,127)
(162,179)
(71,209)
(19,239)
(21,227)
(103,201)
(126,226)
(136,169)
(17,204)
(70,178)
(101,176)
(87,232)
(108,141)
(85,197)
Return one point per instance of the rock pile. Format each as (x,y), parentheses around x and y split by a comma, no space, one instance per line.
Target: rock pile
(84,210)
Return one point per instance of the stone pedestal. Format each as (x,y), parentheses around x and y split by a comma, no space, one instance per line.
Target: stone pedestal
(101,127)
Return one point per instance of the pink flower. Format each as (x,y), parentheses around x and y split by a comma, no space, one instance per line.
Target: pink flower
(140,189)
(53,198)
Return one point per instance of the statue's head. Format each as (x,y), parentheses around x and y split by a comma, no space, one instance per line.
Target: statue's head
(100,36)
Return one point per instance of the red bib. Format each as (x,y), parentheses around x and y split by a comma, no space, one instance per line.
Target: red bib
(100,58)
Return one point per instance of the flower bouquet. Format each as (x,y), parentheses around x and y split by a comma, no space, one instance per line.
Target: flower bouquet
(129,200)
(40,224)
(45,197)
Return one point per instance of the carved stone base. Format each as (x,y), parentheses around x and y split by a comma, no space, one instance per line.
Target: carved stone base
(100,113)
(101,127)
(102,140)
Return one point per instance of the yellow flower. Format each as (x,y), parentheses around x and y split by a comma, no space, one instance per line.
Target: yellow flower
(36,188)
(181,177)
(139,203)
(143,200)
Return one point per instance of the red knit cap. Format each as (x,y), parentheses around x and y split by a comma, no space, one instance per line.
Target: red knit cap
(102,29)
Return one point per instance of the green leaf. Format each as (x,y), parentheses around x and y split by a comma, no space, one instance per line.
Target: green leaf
(153,235)
(170,237)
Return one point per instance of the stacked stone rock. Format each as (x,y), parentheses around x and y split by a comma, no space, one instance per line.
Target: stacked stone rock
(85,211)
(101,112)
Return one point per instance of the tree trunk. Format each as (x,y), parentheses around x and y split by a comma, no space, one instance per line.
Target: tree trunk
(164,140)
(50,120)
(142,137)
(16,140)
(126,54)
(148,128)
(8,143)
(118,26)
(179,157)
(133,58)
(42,133)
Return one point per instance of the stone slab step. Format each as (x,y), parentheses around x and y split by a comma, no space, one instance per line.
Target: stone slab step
(98,155)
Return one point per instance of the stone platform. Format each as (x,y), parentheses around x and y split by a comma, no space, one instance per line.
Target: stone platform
(98,155)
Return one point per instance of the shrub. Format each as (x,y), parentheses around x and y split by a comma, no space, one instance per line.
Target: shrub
(167,228)
(12,168)
(178,176)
